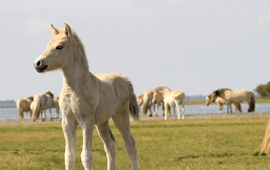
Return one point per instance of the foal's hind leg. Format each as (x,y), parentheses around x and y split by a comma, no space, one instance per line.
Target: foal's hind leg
(109,144)
(121,121)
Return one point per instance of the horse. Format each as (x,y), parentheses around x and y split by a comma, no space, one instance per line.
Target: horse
(235,97)
(155,106)
(23,105)
(220,102)
(89,100)
(147,98)
(56,106)
(171,99)
(41,103)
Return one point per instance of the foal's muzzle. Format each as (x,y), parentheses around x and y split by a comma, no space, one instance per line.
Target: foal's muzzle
(39,66)
(154,101)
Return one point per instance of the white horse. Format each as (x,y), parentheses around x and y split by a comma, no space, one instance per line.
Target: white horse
(89,100)
(171,99)
(41,103)
(23,105)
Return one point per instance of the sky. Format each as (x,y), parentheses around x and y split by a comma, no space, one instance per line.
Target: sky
(192,45)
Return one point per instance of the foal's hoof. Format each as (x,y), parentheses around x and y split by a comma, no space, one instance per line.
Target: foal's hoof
(42,120)
(51,119)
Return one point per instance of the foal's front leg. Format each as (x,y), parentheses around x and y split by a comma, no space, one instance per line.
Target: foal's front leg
(69,126)
(87,126)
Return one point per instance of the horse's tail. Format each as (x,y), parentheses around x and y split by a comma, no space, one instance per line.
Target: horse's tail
(145,104)
(133,105)
(20,112)
(265,146)
(252,103)
(19,107)
(36,110)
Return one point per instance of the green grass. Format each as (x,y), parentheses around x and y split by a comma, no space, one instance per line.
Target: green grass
(162,145)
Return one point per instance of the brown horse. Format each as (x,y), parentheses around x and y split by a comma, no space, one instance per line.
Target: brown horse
(23,105)
(220,102)
(235,97)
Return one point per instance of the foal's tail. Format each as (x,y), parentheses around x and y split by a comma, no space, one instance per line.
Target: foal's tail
(252,103)
(265,146)
(133,105)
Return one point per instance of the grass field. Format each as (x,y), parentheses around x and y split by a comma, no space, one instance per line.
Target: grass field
(162,145)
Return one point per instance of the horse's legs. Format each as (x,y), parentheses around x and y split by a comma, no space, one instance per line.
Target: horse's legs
(51,114)
(87,126)
(150,111)
(69,126)
(228,105)
(220,108)
(155,109)
(109,144)
(178,110)
(166,111)
(121,121)
(43,115)
(30,114)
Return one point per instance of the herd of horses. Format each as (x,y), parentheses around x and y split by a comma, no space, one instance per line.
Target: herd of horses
(38,105)
(91,100)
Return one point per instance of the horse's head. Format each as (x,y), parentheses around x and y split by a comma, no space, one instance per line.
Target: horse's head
(208,100)
(214,95)
(58,51)
(157,96)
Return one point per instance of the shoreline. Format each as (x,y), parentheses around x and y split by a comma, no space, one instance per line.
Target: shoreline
(10,122)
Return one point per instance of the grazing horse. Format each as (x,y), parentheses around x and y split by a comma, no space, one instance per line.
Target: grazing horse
(220,102)
(155,106)
(146,101)
(89,100)
(23,105)
(235,97)
(171,99)
(41,103)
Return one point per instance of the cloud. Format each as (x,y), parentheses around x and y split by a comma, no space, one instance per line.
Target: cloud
(35,27)
(175,1)
(265,19)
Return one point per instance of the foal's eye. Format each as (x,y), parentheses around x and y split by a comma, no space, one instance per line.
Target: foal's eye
(59,47)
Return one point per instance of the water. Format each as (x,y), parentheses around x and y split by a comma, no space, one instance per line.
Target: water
(12,113)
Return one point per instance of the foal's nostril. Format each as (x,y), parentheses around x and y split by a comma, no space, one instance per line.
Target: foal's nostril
(38,63)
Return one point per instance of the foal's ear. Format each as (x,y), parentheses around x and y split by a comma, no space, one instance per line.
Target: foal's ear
(54,31)
(67,30)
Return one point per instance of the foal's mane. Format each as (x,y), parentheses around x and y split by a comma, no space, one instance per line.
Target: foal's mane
(80,47)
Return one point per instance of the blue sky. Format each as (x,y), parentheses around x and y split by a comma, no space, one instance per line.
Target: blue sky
(192,45)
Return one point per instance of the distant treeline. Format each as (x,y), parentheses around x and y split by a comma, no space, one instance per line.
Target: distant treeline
(263,90)
(7,103)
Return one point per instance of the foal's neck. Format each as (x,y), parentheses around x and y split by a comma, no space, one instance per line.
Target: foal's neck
(76,77)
